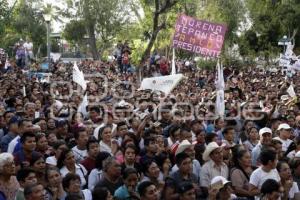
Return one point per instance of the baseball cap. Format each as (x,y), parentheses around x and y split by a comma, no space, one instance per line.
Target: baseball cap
(264,130)
(219,179)
(283,126)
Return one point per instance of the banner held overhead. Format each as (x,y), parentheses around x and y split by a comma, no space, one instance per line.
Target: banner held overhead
(199,36)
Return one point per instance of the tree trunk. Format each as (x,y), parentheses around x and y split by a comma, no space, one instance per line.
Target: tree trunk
(92,41)
(156,27)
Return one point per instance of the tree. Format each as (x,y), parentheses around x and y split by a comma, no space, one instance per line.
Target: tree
(74,31)
(271,21)
(161,7)
(5,12)
(103,19)
(28,21)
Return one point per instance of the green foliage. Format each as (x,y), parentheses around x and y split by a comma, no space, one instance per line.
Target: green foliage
(4,13)
(271,21)
(74,31)
(22,22)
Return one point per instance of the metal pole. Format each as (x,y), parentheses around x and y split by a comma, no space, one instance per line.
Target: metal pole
(48,44)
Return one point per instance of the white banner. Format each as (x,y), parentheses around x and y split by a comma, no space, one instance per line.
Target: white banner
(162,83)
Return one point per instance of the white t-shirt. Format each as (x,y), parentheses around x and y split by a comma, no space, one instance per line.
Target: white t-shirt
(285,143)
(105,147)
(259,176)
(94,177)
(80,155)
(294,189)
(28,46)
(87,194)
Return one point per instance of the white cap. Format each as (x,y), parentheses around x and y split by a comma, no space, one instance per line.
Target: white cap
(283,126)
(219,179)
(264,130)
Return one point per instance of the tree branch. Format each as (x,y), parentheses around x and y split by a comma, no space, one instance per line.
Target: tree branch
(168,4)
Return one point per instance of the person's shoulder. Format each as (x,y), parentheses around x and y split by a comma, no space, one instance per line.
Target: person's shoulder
(120,192)
(75,148)
(207,164)
(257,172)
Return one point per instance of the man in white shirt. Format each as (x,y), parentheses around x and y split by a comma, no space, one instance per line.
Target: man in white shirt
(268,159)
(265,138)
(284,136)
(214,165)
(28,45)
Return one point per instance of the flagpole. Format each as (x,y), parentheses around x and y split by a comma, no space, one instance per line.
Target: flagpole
(173,63)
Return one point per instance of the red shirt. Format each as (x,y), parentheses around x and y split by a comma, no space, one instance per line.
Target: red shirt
(89,164)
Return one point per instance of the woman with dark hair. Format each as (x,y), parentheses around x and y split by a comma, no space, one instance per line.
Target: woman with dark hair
(245,131)
(174,134)
(38,164)
(152,172)
(66,163)
(58,147)
(240,173)
(71,184)
(96,174)
(77,118)
(291,189)
(42,144)
(128,190)
(164,163)
(107,143)
(270,190)
(252,139)
(54,188)
(130,154)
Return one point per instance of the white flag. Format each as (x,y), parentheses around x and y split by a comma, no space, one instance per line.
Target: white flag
(7,64)
(220,85)
(291,91)
(78,77)
(83,105)
(24,91)
(173,63)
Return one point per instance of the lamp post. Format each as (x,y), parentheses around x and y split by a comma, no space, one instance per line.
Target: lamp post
(47,18)
(284,42)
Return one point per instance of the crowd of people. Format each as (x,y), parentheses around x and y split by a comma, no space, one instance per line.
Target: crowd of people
(143,144)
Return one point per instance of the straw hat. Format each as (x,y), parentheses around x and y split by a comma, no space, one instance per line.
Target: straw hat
(210,148)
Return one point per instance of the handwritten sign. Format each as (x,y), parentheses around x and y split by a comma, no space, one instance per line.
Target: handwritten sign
(199,36)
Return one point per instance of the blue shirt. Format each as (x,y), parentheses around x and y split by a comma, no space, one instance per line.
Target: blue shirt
(255,154)
(122,193)
(5,140)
